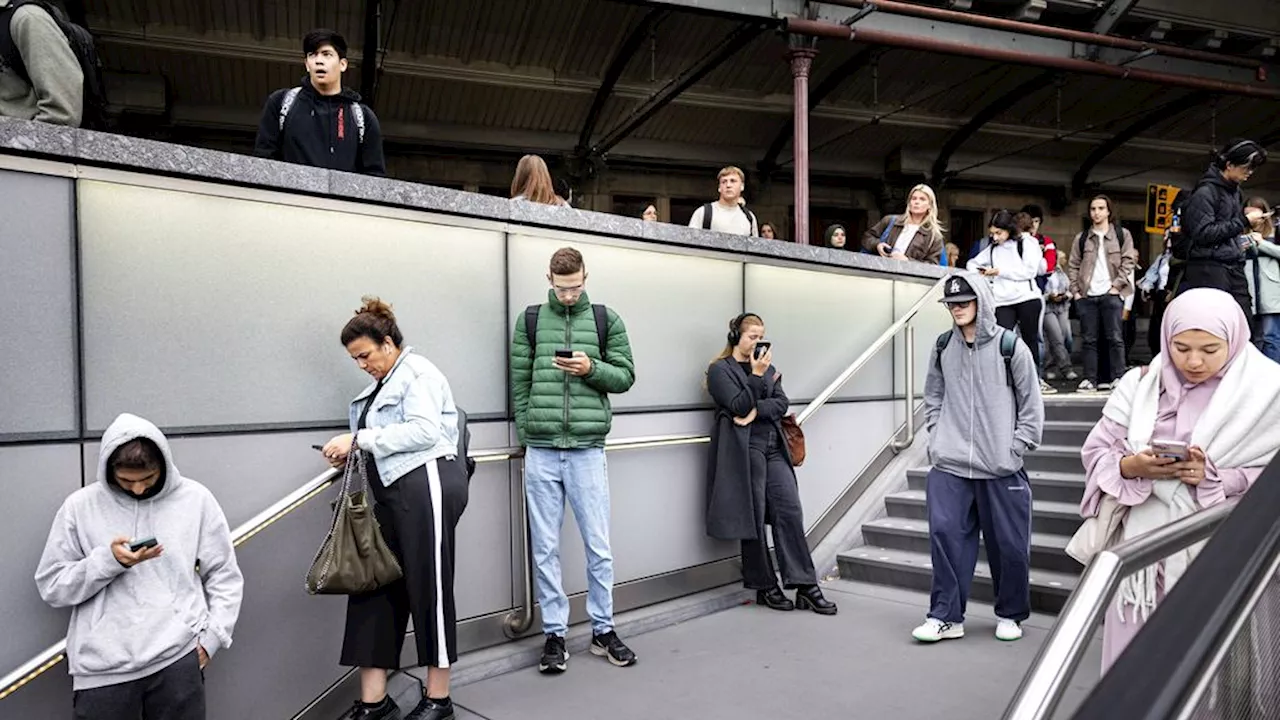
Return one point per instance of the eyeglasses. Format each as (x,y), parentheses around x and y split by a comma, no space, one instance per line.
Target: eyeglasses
(573,290)
(959,304)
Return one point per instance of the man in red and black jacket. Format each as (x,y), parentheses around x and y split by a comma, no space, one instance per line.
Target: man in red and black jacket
(1047,247)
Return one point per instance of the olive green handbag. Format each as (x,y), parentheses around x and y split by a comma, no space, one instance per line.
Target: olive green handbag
(354,558)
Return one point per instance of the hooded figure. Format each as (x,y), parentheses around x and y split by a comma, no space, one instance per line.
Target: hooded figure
(836,237)
(984,412)
(154,615)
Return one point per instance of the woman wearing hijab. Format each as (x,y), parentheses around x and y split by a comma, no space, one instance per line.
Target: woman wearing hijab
(836,237)
(1208,388)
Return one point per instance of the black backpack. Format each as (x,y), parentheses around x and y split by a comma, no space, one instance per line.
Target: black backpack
(464,443)
(710,208)
(600,312)
(94,97)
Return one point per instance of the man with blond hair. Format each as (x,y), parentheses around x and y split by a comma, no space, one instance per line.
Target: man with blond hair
(729,214)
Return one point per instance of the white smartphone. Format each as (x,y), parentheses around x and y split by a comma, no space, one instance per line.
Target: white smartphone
(1172,449)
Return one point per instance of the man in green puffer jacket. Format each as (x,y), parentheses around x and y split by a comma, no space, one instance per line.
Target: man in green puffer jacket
(560,381)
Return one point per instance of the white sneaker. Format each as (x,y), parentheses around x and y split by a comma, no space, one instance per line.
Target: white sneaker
(1087,386)
(934,630)
(1047,389)
(1072,375)
(1050,374)
(1008,630)
(1104,387)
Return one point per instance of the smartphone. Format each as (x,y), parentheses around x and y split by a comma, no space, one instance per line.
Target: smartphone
(1171,449)
(319,448)
(566,354)
(762,348)
(137,545)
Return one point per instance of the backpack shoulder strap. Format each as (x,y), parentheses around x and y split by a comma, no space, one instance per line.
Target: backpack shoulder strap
(357,115)
(286,104)
(706,215)
(1008,343)
(602,327)
(531,327)
(751,220)
(941,344)
(884,234)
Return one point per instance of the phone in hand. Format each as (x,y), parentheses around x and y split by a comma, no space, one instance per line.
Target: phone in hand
(567,354)
(137,545)
(762,347)
(1171,449)
(318,448)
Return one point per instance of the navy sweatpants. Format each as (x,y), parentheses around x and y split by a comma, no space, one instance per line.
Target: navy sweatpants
(958,508)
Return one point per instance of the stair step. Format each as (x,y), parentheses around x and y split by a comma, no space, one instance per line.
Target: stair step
(1054,487)
(1067,432)
(1068,406)
(1056,518)
(912,570)
(1048,552)
(1054,459)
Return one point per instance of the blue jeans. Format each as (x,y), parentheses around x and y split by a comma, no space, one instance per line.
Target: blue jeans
(1269,328)
(550,476)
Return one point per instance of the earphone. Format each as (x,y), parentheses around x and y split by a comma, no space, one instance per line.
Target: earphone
(735,328)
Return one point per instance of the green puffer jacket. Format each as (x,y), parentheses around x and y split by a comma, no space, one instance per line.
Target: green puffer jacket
(553,408)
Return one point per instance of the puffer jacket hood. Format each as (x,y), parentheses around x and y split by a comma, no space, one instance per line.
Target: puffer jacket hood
(980,427)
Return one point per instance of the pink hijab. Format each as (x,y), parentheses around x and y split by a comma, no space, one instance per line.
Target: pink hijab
(1214,312)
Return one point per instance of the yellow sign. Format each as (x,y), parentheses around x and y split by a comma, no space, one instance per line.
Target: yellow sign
(1160,207)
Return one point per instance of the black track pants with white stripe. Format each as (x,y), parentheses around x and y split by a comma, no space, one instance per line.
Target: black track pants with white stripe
(418,514)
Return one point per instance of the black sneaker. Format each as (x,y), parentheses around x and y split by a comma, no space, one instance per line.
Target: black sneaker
(608,645)
(430,709)
(554,657)
(385,710)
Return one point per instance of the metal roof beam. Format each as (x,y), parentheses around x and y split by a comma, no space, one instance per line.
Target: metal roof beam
(1139,126)
(1112,15)
(981,118)
(369,52)
(725,49)
(829,84)
(617,65)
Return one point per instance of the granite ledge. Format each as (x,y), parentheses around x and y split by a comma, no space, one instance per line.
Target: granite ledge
(26,137)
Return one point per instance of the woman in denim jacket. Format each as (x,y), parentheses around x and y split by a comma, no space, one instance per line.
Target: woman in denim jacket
(407,426)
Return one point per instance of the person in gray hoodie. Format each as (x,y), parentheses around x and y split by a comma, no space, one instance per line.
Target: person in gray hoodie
(52,88)
(984,412)
(143,624)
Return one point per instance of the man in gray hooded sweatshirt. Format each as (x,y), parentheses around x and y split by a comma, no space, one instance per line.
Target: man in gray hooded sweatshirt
(984,411)
(143,557)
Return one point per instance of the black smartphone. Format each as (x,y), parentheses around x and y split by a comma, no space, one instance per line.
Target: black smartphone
(566,354)
(137,545)
(318,447)
(762,348)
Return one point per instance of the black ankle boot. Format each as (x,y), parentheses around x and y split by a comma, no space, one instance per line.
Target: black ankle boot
(774,599)
(810,597)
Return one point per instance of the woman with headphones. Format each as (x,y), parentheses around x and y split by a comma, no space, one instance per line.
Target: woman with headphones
(1215,222)
(751,478)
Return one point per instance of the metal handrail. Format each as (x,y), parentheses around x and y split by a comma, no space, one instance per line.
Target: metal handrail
(1043,686)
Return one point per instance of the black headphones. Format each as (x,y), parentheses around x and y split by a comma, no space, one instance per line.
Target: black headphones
(1223,156)
(735,327)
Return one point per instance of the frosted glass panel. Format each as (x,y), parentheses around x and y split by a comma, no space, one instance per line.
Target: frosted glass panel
(676,307)
(841,439)
(204,311)
(37,373)
(819,323)
(932,320)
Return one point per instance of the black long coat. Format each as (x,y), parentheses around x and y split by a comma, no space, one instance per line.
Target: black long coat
(733,496)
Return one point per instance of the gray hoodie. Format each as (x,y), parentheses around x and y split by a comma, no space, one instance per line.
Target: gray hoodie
(55,93)
(128,623)
(976,430)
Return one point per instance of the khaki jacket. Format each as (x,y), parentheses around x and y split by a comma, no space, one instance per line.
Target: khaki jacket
(1122,257)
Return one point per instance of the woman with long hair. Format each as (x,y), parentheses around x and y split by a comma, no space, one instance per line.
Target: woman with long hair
(1263,272)
(916,234)
(1183,434)
(532,182)
(751,478)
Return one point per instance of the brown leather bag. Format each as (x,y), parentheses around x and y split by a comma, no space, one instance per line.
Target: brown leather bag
(354,557)
(794,436)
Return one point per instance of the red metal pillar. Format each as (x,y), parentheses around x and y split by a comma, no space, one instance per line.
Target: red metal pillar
(801,61)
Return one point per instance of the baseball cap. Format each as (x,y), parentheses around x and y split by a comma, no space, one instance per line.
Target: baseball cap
(957,290)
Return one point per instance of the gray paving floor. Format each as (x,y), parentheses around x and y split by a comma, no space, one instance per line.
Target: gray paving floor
(750,662)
